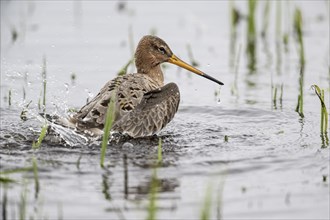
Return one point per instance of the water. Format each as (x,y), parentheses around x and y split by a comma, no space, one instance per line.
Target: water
(272,166)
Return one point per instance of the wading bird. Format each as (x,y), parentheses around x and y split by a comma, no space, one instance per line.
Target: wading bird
(143,105)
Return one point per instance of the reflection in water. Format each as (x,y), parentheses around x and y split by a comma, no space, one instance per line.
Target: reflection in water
(105,186)
(125,177)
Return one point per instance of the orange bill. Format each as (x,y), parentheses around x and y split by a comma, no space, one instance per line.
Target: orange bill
(177,61)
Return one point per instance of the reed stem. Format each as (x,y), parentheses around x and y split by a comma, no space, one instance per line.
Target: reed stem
(108,124)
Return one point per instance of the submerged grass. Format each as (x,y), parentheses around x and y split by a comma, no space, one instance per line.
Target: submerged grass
(324,115)
(108,124)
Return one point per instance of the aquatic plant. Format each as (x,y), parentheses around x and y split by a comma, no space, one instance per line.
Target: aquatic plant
(123,70)
(108,124)
(300,103)
(278,29)
(160,157)
(265,21)
(324,114)
(43,133)
(275,88)
(298,33)
(235,17)
(44,82)
(251,36)
(234,89)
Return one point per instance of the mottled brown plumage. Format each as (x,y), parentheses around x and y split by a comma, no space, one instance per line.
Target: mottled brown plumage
(143,105)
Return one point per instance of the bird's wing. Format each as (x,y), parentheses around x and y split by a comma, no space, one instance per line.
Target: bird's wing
(156,109)
(129,90)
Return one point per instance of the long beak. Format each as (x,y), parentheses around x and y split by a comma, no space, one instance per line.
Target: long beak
(175,60)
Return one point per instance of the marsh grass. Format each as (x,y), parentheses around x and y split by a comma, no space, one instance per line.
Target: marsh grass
(44,82)
(278,31)
(234,21)
(108,124)
(298,33)
(300,102)
(281,96)
(324,115)
(159,153)
(275,97)
(123,70)
(36,145)
(234,89)
(251,36)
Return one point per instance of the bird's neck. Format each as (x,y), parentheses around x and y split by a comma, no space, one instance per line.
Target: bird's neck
(154,73)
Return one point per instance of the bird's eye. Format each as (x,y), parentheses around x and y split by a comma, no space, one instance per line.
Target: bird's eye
(162,50)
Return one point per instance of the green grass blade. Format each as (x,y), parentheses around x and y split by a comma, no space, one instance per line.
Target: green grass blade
(107,127)
(41,137)
(160,156)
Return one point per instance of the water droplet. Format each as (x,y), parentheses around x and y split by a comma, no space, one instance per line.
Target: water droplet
(218,101)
